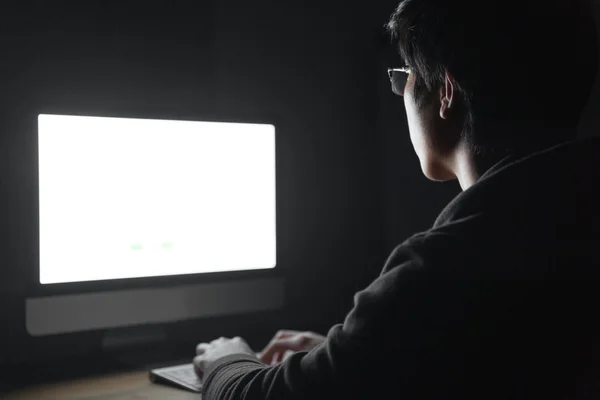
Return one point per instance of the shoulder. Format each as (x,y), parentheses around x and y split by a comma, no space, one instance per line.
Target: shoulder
(436,250)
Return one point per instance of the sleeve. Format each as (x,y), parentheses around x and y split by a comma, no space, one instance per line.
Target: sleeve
(387,341)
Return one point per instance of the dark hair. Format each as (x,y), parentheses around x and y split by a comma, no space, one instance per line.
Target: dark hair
(532,62)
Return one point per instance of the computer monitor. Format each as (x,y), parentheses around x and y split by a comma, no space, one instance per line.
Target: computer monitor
(131,198)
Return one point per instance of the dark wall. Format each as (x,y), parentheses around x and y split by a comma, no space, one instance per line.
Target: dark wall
(312,64)
(590,124)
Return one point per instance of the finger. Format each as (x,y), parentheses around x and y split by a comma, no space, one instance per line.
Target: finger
(282,334)
(221,339)
(199,366)
(277,357)
(280,346)
(273,360)
(198,372)
(201,348)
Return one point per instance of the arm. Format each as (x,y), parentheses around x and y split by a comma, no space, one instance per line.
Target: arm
(403,312)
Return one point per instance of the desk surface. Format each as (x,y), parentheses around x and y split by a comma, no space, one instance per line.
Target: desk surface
(124,386)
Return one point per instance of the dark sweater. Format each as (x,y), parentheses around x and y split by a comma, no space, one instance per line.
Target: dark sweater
(498,300)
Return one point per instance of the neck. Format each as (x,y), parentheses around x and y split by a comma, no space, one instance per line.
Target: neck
(469,167)
(465,169)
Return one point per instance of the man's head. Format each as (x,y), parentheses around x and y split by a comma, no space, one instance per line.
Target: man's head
(493,77)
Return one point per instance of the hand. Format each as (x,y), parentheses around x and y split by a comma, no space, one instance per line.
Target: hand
(285,341)
(208,353)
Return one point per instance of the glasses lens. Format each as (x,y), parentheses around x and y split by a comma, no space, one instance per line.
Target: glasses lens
(398,80)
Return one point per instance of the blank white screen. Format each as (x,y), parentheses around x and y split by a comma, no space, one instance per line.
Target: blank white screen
(127,198)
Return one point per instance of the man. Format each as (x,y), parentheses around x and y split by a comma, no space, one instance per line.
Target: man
(499,299)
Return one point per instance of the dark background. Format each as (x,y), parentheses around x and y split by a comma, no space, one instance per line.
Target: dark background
(349,184)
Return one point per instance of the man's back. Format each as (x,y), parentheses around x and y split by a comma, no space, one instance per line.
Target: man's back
(519,264)
(497,301)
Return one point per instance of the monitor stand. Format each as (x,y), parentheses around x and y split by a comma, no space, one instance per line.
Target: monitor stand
(142,347)
(149,307)
(119,339)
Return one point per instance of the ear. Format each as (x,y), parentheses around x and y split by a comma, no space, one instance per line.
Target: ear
(447,96)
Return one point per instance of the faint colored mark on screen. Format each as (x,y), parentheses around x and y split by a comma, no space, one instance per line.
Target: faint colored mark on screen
(163,246)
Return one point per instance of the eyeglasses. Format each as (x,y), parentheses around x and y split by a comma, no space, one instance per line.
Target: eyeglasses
(398,78)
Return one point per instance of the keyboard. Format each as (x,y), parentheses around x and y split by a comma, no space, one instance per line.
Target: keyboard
(182,376)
